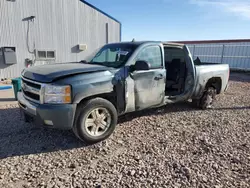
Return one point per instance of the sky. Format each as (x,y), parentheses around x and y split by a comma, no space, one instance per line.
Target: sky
(176,20)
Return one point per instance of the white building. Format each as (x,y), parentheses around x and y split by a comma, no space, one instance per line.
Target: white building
(51,31)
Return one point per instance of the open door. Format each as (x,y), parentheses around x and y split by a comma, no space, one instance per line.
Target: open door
(180,81)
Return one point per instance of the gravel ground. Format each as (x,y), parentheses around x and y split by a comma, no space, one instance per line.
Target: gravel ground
(174,146)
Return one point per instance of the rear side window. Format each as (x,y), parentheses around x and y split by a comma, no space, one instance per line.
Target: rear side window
(151,54)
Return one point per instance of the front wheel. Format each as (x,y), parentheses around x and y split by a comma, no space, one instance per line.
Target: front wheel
(95,120)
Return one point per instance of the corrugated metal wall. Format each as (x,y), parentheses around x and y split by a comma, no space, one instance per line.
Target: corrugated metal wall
(59,25)
(237,55)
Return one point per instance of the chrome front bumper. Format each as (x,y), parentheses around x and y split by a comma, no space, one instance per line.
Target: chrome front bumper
(59,116)
(25,104)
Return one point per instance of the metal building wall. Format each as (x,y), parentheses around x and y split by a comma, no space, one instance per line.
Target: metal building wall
(237,55)
(58,25)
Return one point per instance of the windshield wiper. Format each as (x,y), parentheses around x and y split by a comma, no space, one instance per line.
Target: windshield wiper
(97,63)
(83,61)
(93,63)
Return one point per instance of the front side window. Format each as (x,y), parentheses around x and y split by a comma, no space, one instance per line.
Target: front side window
(152,55)
(113,55)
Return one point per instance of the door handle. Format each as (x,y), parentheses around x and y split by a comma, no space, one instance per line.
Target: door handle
(159,77)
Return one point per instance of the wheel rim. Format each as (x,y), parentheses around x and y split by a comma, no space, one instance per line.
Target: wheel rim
(97,122)
(208,98)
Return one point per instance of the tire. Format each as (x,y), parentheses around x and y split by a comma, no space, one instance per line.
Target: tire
(95,120)
(196,103)
(207,98)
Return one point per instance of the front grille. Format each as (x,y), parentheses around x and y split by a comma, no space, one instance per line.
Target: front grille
(37,86)
(31,90)
(31,95)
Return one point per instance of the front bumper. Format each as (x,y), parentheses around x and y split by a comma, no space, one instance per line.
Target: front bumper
(54,116)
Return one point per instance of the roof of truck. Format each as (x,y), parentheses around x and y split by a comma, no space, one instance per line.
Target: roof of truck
(138,43)
(173,43)
(135,42)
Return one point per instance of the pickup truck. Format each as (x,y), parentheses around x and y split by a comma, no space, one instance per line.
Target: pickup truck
(89,96)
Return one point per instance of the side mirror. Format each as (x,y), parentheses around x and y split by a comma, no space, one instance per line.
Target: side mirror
(140,65)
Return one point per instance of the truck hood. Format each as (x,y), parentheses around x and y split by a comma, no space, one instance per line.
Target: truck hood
(51,72)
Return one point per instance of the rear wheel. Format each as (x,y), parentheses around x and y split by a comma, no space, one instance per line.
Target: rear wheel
(95,120)
(207,99)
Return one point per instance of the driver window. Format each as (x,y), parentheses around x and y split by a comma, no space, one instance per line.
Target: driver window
(152,55)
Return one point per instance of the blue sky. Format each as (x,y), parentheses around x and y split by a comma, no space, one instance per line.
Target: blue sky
(180,19)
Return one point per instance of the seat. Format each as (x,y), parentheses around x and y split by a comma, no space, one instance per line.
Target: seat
(176,74)
(173,72)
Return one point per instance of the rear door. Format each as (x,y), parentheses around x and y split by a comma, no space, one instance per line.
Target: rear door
(190,76)
(149,86)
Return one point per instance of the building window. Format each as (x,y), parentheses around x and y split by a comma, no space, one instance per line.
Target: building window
(41,54)
(51,54)
(44,55)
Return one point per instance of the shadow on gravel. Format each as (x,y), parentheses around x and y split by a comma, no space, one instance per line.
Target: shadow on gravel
(234,108)
(240,77)
(19,138)
(171,108)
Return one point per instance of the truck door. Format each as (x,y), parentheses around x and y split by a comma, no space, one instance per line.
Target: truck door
(149,85)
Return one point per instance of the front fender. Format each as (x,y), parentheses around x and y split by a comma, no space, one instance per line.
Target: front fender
(92,90)
(89,84)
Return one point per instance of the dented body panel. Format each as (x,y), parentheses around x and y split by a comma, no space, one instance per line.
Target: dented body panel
(51,72)
(89,84)
(149,91)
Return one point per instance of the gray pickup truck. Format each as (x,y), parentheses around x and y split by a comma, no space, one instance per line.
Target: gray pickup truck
(88,96)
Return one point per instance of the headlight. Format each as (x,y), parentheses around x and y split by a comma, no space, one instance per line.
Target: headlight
(57,94)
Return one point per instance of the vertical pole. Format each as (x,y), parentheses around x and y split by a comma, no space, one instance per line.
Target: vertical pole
(193,51)
(120,32)
(107,33)
(107,39)
(222,54)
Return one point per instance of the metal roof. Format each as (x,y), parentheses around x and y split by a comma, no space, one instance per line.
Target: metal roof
(94,7)
(212,41)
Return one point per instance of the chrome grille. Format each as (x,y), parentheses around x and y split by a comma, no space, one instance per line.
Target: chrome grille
(31,84)
(32,90)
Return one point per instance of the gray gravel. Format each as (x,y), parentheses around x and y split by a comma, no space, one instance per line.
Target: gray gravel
(174,146)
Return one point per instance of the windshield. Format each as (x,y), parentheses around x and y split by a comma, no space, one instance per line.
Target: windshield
(113,55)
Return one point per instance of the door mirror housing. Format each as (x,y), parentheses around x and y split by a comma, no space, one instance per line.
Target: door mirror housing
(140,65)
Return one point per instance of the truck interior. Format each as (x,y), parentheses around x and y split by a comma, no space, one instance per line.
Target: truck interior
(176,67)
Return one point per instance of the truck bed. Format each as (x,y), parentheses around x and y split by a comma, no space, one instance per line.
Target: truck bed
(206,71)
(206,63)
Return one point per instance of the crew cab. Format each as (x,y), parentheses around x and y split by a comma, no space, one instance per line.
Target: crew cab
(89,96)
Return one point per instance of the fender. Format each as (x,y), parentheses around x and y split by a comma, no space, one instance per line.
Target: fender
(92,90)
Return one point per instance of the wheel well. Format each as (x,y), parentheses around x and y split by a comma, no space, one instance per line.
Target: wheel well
(215,82)
(108,96)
